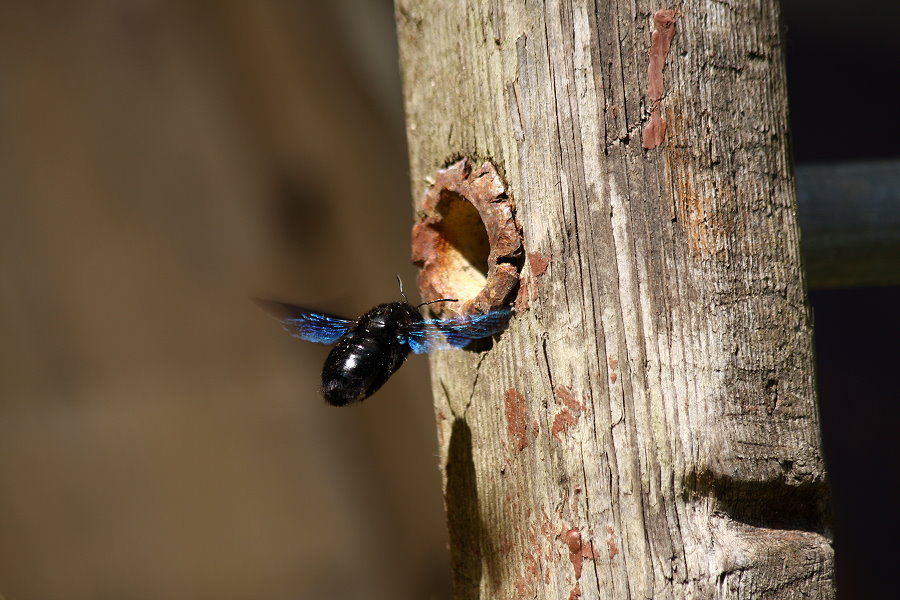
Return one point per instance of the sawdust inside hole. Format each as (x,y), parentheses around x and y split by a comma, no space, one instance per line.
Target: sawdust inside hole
(464,243)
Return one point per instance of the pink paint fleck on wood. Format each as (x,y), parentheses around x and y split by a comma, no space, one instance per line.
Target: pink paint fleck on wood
(546,525)
(572,538)
(526,581)
(528,286)
(655,130)
(588,550)
(538,263)
(611,543)
(579,549)
(516,419)
(531,565)
(525,588)
(564,396)
(562,421)
(575,594)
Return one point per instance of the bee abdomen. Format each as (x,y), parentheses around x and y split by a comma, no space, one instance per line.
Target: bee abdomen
(355,368)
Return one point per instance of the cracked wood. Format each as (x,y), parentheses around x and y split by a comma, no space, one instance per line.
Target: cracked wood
(671,310)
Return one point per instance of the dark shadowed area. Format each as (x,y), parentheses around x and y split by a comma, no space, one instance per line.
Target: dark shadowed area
(161,437)
(837,76)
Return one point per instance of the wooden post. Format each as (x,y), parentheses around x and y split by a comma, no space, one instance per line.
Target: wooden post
(647,426)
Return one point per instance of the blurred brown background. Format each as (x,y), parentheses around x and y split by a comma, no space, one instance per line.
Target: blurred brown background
(160,437)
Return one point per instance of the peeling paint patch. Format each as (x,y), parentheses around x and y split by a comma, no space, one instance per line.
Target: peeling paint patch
(562,421)
(611,542)
(538,263)
(546,525)
(525,588)
(516,419)
(526,581)
(572,538)
(655,129)
(588,550)
(563,395)
(575,594)
(578,549)
(528,286)
(531,566)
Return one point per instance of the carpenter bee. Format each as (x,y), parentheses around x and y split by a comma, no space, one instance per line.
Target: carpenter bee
(370,349)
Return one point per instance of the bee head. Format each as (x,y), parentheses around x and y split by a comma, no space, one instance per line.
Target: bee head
(390,317)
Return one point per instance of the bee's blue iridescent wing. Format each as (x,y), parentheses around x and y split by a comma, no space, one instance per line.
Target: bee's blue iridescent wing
(455,332)
(306,324)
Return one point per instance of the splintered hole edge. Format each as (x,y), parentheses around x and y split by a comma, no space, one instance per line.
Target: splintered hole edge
(465,244)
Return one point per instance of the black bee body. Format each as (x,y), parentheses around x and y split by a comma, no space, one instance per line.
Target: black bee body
(367,355)
(368,350)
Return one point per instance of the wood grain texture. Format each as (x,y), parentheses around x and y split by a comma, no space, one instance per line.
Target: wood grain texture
(648,427)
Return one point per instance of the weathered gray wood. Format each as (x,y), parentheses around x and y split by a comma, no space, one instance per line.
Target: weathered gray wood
(648,427)
(850,223)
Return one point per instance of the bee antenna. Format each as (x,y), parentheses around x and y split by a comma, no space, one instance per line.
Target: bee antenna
(402,293)
(438,300)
